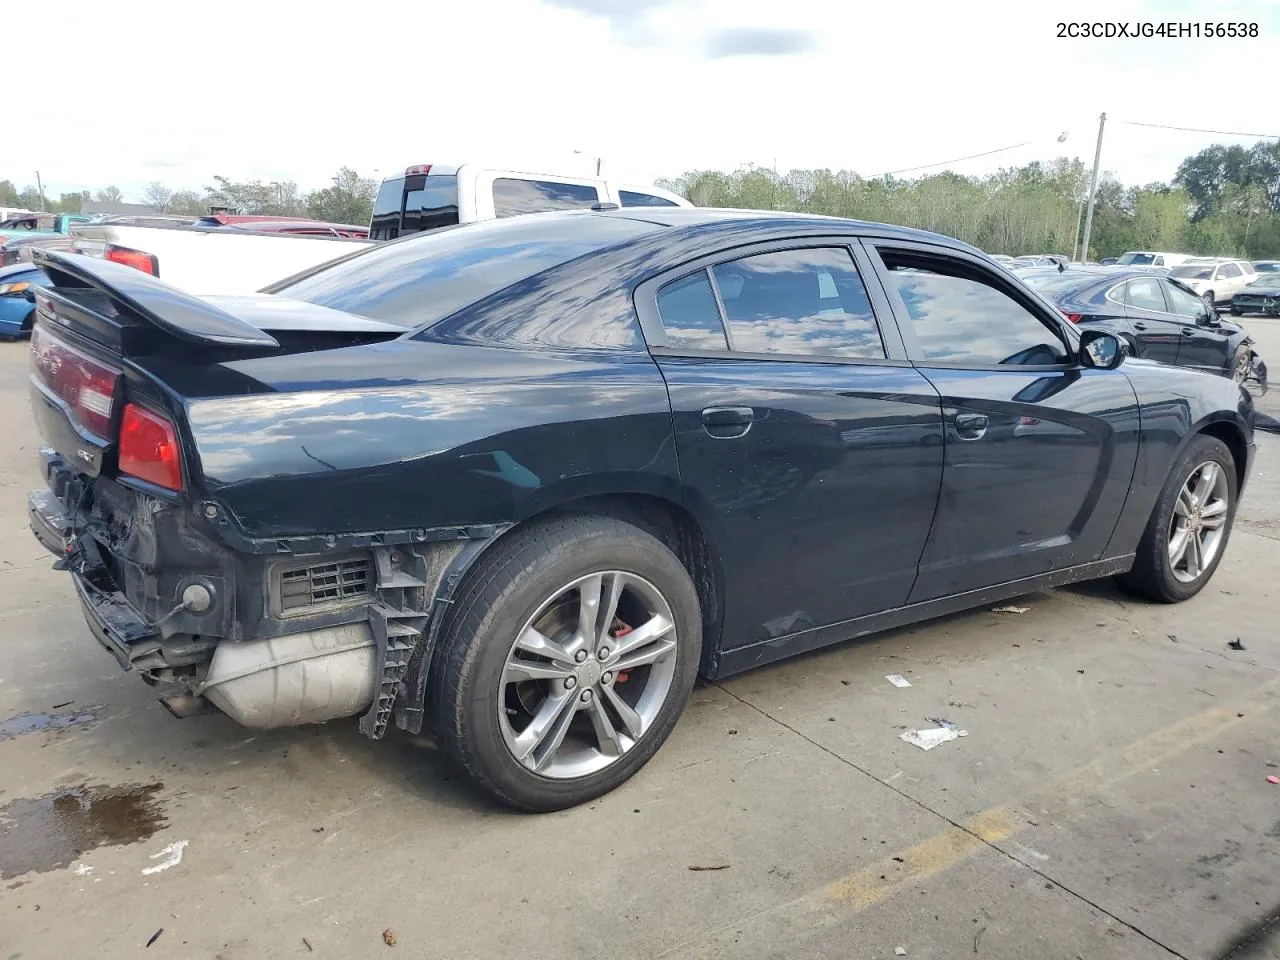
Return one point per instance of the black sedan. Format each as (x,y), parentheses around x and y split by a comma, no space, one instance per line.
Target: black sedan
(519,482)
(1261,296)
(1158,317)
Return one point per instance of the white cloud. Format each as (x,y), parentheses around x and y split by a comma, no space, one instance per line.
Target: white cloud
(180,92)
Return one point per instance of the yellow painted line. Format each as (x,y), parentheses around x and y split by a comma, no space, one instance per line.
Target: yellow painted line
(940,852)
(829,904)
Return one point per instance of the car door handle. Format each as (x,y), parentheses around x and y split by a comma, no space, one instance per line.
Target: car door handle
(1188,331)
(1139,326)
(727,423)
(971,426)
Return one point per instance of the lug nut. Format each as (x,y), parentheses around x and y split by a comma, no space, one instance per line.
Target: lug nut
(580,656)
(606,677)
(586,696)
(604,653)
(570,682)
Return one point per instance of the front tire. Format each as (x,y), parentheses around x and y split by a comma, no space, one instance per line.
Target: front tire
(1211,301)
(566,660)
(1236,312)
(1189,527)
(1242,364)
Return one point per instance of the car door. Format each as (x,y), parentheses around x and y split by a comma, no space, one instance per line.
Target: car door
(1039,451)
(807,443)
(1230,279)
(1204,343)
(1156,330)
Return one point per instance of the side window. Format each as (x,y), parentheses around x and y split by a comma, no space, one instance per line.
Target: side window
(1158,262)
(960,316)
(807,302)
(689,314)
(513,197)
(630,198)
(1228,271)
(1144,293)
(1182,303)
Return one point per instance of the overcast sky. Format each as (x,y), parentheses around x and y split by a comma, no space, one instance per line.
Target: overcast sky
(271,90)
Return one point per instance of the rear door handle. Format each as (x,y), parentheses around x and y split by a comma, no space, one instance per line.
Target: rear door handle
(971,426)
(727,423)
(1139,326)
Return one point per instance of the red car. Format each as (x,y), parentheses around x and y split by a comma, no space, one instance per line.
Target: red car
(294,225)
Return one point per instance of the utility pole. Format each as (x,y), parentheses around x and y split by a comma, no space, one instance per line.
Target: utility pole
(598,162)
(40,187)
(1093,190)
(1076,242)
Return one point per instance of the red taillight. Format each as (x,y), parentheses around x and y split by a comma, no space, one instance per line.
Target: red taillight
(149,448)
(145,262)
(88,386)
(1073,317)
(416,169)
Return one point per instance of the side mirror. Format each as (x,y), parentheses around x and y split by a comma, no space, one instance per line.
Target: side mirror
(1102,350)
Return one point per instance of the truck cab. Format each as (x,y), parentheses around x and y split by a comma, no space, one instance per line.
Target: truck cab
(430,196)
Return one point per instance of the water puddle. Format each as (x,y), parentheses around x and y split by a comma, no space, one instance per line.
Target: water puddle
(45,833)
(44,722)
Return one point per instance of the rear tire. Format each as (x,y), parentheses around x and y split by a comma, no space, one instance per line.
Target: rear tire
(1201,488)
(1242,364)
(1211,302)
(1236,312)
(497,702)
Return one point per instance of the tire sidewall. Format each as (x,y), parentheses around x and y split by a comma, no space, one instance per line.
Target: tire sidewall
(598,550)
(1200,449)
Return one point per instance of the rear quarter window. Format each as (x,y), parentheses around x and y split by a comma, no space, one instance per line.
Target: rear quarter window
(513,197)
(631,198)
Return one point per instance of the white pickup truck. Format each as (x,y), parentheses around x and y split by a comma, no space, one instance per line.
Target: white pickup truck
(205,260)
(220,260)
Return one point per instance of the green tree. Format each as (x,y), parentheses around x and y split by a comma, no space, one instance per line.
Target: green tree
(109,195)
(349,200)
(159,196)
(277,198)
(8,194)
(188,203)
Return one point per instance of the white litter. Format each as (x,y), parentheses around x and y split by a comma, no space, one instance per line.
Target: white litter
(1010,609)
(899,951)
(83,870)
(898,681)
(172,855)
(930,738)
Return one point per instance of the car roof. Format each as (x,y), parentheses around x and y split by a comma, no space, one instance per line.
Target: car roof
(695,218)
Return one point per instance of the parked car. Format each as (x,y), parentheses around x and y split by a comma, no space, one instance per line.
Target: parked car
(1267,266)
(1001,258)
(1217,281)
(429,196)
(1147,258)
(17,311)
(1159,318)
(297,226)
(205,259)
(518,483)
(1108,261)
(44,224)
(1262,296)
(17,248)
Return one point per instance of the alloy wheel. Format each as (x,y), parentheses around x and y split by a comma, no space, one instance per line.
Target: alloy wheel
(587,675)
(1198,527)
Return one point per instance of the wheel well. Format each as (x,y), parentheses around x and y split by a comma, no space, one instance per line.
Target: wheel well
(684,536)
(1234,440)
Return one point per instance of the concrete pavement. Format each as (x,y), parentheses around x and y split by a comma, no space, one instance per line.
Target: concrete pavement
(1109,801)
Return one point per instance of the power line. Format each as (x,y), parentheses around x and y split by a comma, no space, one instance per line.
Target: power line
(1223,133)
(941,163)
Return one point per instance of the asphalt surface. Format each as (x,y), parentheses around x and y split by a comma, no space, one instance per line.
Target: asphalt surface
(1109,801)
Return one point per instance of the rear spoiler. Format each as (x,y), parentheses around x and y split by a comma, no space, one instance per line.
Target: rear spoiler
(140,296)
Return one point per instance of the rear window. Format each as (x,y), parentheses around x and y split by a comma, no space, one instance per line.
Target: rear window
(1053,283)
(1137,259)
(514,197)
(419,280)
(630,198)
(1191,273)
(413,204)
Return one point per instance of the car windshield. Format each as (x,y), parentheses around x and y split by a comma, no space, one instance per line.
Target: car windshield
(1188,272)
(1267,267)
(429,276)
(1137,259)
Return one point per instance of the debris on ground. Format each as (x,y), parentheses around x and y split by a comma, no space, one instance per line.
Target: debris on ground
(977,937)
(952,702)
(930,737)
(389,937)
(718,866)
(943,723)
(64,703)
(172,856)
(1010,608)
(1273,780)
(898,680)
(899,951)
(307,943)
(1235,644)
(1173,637)
(155,936)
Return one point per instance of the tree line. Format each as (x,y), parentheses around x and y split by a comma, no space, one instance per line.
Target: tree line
(349,198)
(1223,201)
